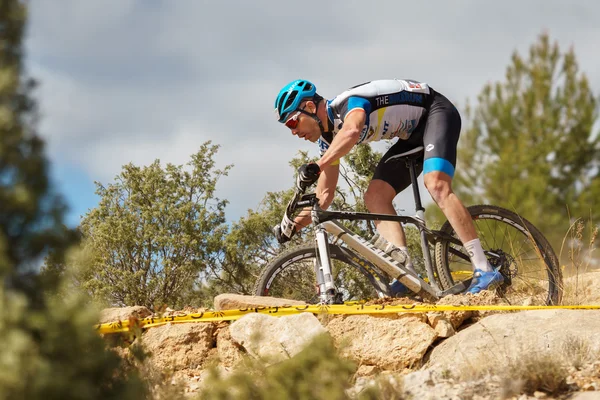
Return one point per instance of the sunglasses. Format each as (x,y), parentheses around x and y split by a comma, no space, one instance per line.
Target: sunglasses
(292,122)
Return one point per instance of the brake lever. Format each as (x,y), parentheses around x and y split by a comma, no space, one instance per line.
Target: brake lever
(307,200)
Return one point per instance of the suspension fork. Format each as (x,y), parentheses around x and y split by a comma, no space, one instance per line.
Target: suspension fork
(323,270)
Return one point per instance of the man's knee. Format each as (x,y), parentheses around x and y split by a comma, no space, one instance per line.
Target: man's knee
(379,194)
(438,185)
(371,200)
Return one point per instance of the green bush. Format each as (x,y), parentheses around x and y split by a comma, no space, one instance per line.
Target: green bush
(318,372)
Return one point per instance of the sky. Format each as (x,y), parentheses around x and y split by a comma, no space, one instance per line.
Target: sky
(138,80)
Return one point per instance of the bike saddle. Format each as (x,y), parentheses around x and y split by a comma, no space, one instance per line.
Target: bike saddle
(413,154)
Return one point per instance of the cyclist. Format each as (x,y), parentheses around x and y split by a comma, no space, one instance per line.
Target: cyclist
(384,109)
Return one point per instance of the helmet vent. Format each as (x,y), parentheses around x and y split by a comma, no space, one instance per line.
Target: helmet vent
(290,99)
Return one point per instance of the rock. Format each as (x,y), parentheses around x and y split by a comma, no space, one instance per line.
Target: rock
(367,370)
(384,346)
(406,317)
(429,384)
(386,383)
(179,346)
(227,301)
(206,378)
(123,313)
(585,396)
(418,379)
(390,344)
(274,339)
(500,338)
(442,326)
(456,318)
(229,353)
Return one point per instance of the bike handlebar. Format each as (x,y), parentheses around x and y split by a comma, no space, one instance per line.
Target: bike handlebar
(299,200)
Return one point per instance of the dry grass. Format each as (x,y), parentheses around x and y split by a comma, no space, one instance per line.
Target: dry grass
(578,247)
(578,352)
(525,372)
(535,372)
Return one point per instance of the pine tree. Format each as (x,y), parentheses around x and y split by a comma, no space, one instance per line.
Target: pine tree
(529,144)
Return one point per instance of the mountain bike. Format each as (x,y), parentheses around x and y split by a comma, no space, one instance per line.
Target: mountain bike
(344,266)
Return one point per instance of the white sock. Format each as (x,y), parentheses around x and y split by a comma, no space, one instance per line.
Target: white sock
(478,258)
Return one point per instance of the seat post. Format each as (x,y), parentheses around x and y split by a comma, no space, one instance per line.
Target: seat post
(410,164)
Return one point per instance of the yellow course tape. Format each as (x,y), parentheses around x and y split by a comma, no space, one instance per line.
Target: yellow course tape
(349,308)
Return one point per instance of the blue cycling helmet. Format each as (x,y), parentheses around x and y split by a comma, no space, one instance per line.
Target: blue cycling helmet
(290,97)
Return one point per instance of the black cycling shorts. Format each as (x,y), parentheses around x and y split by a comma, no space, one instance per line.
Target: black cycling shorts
(438,131)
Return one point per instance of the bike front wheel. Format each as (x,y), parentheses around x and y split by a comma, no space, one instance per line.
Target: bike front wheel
(292,276)
(513,246)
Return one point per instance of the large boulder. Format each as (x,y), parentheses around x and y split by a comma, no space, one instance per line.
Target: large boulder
(274,339)
(228,301)
(123,314)
(585,396)
(501,338)
(447,323)
(387,343)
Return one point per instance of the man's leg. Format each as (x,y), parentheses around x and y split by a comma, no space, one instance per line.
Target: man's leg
(379,199)
(440,139)
(388,180)
(439,185)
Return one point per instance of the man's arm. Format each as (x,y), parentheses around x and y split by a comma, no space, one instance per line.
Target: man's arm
(329,164)
(346,138)
(325,191)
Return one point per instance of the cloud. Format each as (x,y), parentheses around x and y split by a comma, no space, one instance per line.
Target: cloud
(132,81)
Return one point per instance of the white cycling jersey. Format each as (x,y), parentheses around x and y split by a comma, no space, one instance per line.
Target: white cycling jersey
(394,108)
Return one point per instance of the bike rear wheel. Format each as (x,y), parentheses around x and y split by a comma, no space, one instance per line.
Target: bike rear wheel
(292,276)
(514,246)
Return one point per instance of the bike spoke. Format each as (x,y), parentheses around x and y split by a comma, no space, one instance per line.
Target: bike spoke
(296,280)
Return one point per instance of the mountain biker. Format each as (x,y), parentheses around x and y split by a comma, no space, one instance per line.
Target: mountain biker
(384,109)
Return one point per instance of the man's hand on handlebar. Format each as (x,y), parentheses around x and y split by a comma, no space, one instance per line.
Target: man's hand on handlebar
(307,175)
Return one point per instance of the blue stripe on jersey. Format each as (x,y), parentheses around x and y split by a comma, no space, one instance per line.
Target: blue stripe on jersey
(329,112)
(359,102)
(438,164)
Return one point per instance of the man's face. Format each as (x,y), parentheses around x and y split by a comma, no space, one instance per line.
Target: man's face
(303,125)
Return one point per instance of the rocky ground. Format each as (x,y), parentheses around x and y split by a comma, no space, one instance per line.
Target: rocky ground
(449,355)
